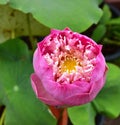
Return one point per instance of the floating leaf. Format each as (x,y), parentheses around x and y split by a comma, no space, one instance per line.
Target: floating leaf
(14,23)
(108,100)
(79,15)
(106,14)
(82,115)
(22,106)
(99,32)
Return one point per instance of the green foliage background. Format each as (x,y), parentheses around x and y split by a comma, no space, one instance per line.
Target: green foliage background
(36,18)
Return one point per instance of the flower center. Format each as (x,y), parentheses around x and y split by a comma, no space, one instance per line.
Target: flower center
(69,65)
(70,58)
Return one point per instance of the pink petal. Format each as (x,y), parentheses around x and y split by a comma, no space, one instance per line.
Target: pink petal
(83,98)
(41,92)
(62,91)
(100,68)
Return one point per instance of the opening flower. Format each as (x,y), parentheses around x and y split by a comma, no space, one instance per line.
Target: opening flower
(69,69)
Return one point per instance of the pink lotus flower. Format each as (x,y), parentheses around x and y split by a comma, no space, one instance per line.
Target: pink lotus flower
(69,69)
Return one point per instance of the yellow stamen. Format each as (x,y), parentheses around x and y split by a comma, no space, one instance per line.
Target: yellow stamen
(69,65)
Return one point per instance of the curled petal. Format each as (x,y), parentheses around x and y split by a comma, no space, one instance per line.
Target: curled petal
(41,93)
